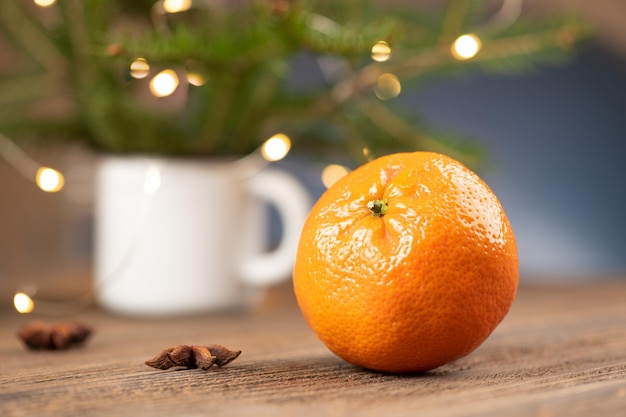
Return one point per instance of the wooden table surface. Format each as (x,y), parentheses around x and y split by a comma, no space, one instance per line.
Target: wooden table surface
(561,351)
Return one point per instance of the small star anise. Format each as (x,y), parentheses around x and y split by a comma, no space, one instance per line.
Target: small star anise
(40,335)
(194,356)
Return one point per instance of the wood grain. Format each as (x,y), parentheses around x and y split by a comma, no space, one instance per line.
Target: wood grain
(560,351)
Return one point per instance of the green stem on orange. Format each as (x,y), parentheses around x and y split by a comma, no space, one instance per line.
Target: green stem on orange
(378,207)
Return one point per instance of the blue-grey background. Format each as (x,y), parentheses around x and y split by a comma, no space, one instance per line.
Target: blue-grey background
(556,139)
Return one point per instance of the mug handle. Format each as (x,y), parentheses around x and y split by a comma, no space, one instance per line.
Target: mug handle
(293,203)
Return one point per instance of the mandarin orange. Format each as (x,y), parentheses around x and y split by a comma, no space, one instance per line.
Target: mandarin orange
(406,263)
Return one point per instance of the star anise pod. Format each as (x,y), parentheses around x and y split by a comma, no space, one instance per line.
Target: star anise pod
(194,356)
(51,336)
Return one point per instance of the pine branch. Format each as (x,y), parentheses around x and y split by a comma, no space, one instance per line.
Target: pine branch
(321,34)
(25,89)
(245,51)
(32,37)
(454,21)
(404,133)
(43,128)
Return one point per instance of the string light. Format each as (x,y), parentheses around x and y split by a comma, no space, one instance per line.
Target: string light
(139,68)
(333,173)
(164,83)
(381,51)
(44,3)
(387,86)
(276,147)
(176,6)
(196,73)
(466,46)
(23,303)
(196,79)
(49,180)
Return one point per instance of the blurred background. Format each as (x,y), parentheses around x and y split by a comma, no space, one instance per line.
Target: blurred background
(554,137)
(557,137)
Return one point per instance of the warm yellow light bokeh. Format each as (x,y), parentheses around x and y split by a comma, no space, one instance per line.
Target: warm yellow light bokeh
(23,303)
(176,6)
(333,173)
(387,86)
(466,46)
(164,83)
(196,79)
(44,3)
(49,180)
(276,147)
(196,73)
(381,51)
(139,68)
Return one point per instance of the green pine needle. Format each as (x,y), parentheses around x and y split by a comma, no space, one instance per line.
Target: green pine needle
(246,54)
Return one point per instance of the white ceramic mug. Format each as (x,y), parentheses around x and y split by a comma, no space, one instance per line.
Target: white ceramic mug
(180,236)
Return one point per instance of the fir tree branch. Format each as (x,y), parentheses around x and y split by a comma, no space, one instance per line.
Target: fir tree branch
(529,44)
(453,21)
(27,88)
(32,37)
(212,131)
(321,34)
(404,133)
(244,49)
(82,55)
(254,109)
(358,146)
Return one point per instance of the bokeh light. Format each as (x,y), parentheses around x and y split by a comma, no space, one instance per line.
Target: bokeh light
(139,68)
(176,6)
(381,51)
(387,86)
(49,180)
(164,83)
(195,78)
(23,303)
(44,3)
(466,46)
(333,173)
(276,147)
(196,73)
